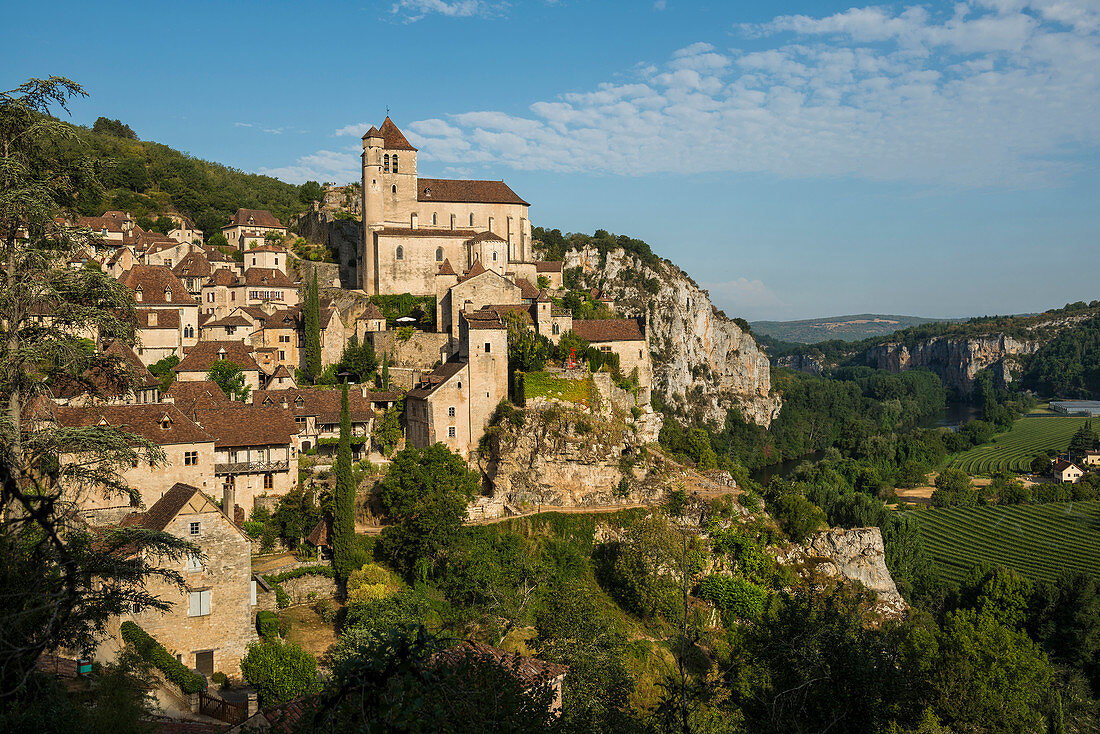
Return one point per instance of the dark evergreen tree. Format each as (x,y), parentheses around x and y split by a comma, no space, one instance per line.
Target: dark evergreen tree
(343,506)
(312,317)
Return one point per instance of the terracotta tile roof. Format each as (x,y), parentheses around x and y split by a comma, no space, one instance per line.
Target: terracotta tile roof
(466,191)
(323,404)
(214,255)
(269,248)
(463,234)
(1061,465)
(526,290)
(282,371)
(166,508)
(281,719)
(318,537)
(98,224)
(394,138)
(370,133)
(193,265)
(189,395)
(439,376)
(230,320)
(549,266)
(224,277)
(446,269)
(499,309)
(144,420)
(56,665)
(486,237)
(607,330)
(159,244)
(153,280)
(267,278)
(238,424)
(259,217)
(372,313)
(528,670)
(475,270)
(543,297)
(202,355)
(157,318)
(106,384)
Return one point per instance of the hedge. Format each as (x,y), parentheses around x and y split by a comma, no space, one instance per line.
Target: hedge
(267,624)
(282,599)
(154,653)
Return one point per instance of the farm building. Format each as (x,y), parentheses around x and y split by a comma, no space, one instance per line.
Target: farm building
(1065,471)
(1076,407)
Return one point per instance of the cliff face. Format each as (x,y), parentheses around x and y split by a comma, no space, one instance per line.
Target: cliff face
(703,362)
(956,360)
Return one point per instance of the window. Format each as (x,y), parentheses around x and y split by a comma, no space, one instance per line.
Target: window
(639,354)
(488,347)
(282,355)
(196,528)
(194,563)
(198,603)
(451,433)
(285,339)
(209,297)
(168,295)
(276,261)
(393,189)
(471,219)
(434,220)
(269,481)
(253,261)
(190,458)
(395,162)
(555,329)
(400,252)
(386,163)
(451,412)
(494,257)
(438,253)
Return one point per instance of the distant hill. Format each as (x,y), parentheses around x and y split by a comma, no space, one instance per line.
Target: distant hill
(845,328)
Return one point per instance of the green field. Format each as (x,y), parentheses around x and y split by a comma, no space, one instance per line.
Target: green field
(1013,451)
(1037,541)
(544,385)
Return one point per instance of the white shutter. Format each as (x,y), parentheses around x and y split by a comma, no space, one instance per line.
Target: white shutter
(253,592)
(193,603)
(204,602)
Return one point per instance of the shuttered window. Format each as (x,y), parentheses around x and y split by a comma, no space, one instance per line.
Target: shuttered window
(198,603)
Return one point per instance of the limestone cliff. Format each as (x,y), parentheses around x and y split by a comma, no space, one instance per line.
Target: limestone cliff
(856,555)
(957,360)
(704,363)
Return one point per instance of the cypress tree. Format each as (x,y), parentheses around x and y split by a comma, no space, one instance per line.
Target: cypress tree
(312,317)
(343,506)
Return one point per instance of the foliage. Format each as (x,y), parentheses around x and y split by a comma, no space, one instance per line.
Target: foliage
(343,509)
(387,429)
(229,376)
(393,307)
(267,624)
(359,360)
(734,596)
(954,489)
(425,493)
(555,244)
(295,516)
(279,671)
(311,316)
(798,517)
(114,128)
(545,385)
(396,683)
(163,369)
(638,568)
(154,653)
(1067,365)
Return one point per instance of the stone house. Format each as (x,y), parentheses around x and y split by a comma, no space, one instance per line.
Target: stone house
(623,337)
(193,270)
(275,329)
(188,449)
(1091,458)
(316,415)
(1065,471)
(453,404)
(221,293)
(234,327)
(479,287)
(103,388)
(119,261)
(255,450)
(225,291)
(198,359)
(210,623)
(249,226)
(156,288)
(185,230)
(193,395)
(168,252)
(271,257)
(370,321)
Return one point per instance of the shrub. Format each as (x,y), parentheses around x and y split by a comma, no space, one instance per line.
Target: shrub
(267,624)
(734,596)
(254,529)
(797,516)
(220,679)
(325,609)
(154,653)
(279,671)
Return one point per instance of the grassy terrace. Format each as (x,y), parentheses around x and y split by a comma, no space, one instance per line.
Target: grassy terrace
(1037,541)
(545,385)
(1014,450)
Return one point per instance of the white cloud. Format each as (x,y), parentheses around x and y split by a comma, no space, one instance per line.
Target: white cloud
(744,296)
(413,10)
(358,129)
(324,165)
(986,93)
(660,4)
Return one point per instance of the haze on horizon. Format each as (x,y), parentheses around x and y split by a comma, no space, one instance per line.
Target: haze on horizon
(798,159)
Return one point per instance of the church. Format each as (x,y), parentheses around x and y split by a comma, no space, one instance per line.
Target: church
(421,233)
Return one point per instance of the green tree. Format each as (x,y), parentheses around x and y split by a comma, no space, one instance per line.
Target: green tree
(279,671)
(310,191)
(954,489)
(386,371)
(425,492)
(343,509)
(60,583)
(387,430)
(359,360)
(163,369)
(1084,439)
(107,126)
(312,319)
(229,376)
(639,568)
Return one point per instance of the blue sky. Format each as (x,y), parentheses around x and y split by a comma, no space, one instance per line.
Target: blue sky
(797,159)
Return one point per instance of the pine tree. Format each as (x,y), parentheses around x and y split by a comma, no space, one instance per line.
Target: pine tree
(312,317)
(343,506)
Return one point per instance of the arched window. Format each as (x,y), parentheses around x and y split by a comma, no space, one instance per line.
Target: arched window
(400,252)
(555,329)
(137,294)
(494,256)
(393,189)
(434,221)
(395,162)
(439,254)
(471,219)
(386,163)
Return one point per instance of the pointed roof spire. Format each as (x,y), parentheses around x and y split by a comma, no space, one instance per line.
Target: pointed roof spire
(544,297)
(372,133)
(395,139)
(446,269)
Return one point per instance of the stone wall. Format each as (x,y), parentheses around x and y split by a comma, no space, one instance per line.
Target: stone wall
(299,589)
(423,349)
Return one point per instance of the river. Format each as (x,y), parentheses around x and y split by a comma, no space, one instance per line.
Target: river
(952,416)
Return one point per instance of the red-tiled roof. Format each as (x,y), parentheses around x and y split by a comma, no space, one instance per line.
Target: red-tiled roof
(238,424)
(1061,465)
(475,270)
(153,280)
(607,330)
(446,269)
(526,290)
(463,191)
(321,403)
(438,377)
(104,383)
(371,312)
(529,671)
(462,234)
(486,237)
(191,394)
(267,278)
(157,318)
(205,353)
(269,248)
(549,266)
(193,265)
(166,508)
(394,138)
(144,420)
(259,217)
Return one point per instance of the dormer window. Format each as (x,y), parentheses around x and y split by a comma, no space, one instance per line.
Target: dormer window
(137,294)
(428,195)
(221,355)
(167,295)
(299,402)
(165,422)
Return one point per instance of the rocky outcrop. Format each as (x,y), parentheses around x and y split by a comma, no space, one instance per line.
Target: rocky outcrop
(342,236)
(856,555)
(704,363)
(565,456)
(957,360)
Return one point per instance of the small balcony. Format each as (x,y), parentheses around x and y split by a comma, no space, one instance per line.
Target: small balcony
(251,467)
